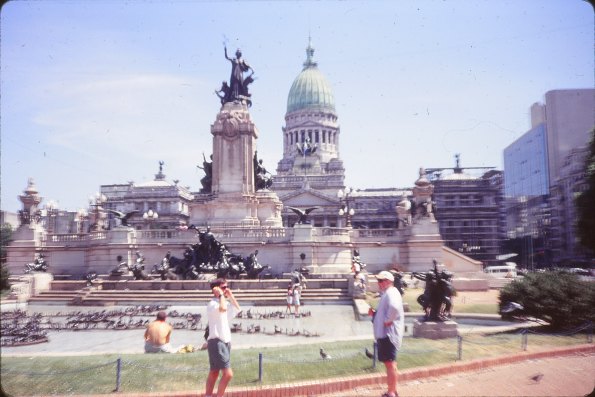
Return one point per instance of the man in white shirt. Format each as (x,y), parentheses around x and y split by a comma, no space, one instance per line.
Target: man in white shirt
(219,340)
(389,326)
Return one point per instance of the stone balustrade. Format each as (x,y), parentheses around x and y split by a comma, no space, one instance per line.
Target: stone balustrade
(73,238)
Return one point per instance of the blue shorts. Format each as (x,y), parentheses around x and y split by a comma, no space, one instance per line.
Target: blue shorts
(219,354)
(386,350)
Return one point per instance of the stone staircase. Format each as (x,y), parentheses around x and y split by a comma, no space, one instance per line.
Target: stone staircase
(319,291)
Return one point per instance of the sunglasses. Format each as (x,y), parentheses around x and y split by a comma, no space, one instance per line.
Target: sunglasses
(223,287)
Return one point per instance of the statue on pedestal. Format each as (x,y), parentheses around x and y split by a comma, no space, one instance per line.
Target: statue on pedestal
(237,89)
(356,263)
(436,299)
(39,264)
(302,214)
(207,180)
(138,268)
(122,217)
(30,198)
(404,212)
(262,178)
(121,268)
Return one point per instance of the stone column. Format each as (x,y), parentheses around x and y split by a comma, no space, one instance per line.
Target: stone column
(234,136)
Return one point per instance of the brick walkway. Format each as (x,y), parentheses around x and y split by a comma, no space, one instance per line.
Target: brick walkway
(562,376)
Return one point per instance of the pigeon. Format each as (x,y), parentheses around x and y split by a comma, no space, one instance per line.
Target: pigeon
(537,377)
(369,354)
(324,355)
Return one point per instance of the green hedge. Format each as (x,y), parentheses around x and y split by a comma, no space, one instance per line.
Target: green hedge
(561,299)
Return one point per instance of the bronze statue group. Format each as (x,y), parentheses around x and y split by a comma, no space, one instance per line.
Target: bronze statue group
(436,299)
(209,255)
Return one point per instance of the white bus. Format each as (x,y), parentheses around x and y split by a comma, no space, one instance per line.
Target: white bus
(508,270)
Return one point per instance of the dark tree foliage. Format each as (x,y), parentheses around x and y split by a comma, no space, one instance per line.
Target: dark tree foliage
(585,202)
(6,237)
(561,299)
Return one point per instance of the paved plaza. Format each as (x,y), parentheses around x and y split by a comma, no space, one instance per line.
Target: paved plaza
(330,322)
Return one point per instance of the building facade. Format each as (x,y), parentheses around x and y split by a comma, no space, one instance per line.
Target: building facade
(156,204)
(526,165)
(469,211)
(564,243)
(569,118)
(311,172)
(543,170)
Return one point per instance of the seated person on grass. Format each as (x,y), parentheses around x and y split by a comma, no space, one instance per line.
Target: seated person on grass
(157,336)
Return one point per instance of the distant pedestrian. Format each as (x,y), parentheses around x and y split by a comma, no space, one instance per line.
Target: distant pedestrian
(289,297)
(219,313)
(297,293)
(389,326)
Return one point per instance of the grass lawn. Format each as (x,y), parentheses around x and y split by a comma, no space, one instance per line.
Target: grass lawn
(153,373)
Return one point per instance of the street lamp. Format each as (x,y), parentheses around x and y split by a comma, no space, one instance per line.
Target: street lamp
(81,216)
(96,202)
(150,216)
(345,209)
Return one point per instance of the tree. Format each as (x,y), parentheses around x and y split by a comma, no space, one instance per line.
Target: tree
(585,202)
(562,299)
(6,238)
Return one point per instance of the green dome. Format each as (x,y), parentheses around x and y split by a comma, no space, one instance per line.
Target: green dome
(310,89)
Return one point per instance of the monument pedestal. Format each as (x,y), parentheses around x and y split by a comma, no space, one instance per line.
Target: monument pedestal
(424,244)
(235,199)
(122,235)
(435,329)
(269,208)
(302,233)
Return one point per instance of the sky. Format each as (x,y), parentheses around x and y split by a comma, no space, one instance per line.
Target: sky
(98,92)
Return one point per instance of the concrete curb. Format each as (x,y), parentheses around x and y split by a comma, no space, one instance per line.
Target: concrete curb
(340,384)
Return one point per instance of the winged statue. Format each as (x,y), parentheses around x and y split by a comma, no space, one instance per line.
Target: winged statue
(123,216)
(302,214)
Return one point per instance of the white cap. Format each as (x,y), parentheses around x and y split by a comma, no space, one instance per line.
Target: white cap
(384,275)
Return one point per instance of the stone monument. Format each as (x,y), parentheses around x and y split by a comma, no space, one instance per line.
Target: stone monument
(437,304)
(236,199)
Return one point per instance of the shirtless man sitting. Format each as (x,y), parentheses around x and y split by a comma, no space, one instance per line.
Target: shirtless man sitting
(157,336)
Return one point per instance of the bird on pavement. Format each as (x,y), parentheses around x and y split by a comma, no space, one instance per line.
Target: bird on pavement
(324,355)
(537,377)
(369,354)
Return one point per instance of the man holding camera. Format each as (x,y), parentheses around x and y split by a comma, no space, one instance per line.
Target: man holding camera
(219,313)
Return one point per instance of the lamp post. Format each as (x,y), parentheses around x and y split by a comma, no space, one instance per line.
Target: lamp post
(346,210)
(81,216)
(51,212)
(96,203)
(150,216)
